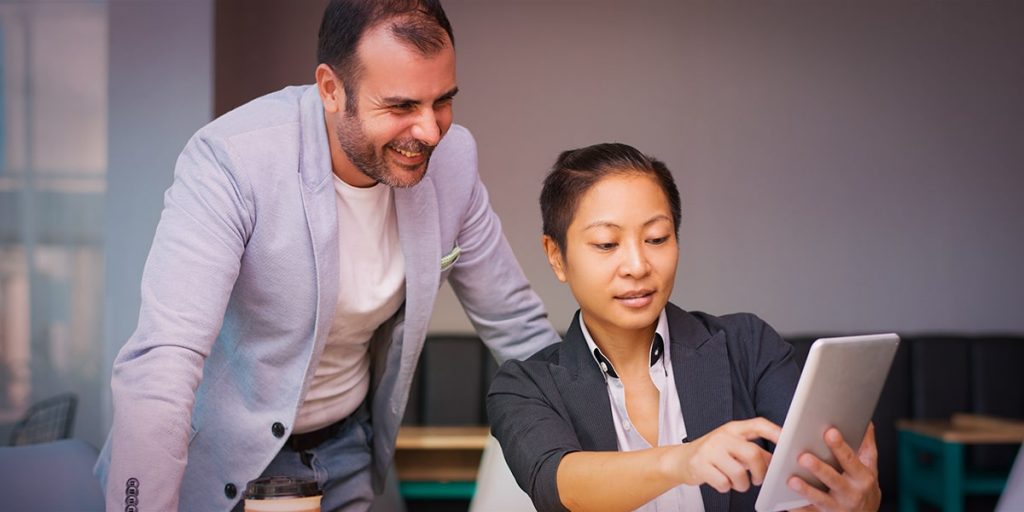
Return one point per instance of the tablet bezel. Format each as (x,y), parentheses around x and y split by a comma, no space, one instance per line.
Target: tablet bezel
(839,386)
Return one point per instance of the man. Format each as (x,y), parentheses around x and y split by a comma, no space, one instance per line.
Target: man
(294,269)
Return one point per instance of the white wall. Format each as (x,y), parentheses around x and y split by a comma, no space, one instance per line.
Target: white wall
(844,166)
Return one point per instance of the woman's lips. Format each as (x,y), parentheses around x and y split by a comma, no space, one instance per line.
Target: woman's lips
(636,299)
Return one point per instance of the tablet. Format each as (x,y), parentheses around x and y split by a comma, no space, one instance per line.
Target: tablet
(839,387)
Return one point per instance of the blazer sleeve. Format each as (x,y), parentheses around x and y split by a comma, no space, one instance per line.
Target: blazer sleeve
(189,274)
(530,422)
(775,372)
(487,278)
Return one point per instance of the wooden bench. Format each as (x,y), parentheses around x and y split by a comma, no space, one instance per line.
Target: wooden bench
(439,462)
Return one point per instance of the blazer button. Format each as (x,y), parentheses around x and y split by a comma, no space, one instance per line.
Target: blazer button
(277,429)
(230,491)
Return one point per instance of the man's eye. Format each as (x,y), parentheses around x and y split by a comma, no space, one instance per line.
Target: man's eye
(402,107)
(606,246)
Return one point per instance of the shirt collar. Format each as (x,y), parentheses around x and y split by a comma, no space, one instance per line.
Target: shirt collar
(658,348)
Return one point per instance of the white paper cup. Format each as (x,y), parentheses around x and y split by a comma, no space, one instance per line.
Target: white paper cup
(282,494)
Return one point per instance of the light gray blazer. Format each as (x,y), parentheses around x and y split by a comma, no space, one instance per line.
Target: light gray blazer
(240,288)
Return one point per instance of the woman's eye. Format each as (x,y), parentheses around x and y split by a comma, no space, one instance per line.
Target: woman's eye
(657,241)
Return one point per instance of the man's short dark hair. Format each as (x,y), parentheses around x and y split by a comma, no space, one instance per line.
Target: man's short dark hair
(421,24)
(576,170)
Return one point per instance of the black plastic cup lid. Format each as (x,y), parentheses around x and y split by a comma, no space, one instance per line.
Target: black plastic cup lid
(276,487)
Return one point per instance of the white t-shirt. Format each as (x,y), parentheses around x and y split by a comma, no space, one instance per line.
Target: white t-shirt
(372,288)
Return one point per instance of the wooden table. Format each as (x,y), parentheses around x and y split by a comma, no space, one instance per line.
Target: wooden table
(439,462)
(945,481)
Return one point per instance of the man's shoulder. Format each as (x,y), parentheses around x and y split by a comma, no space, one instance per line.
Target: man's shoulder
(455,152)
(273,111)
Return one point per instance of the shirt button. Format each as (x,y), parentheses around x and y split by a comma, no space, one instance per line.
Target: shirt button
(626,425)
(277,429)
(230,491)
(604,368)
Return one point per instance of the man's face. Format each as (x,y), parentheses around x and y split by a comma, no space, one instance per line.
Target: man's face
(620,254)
(403,108)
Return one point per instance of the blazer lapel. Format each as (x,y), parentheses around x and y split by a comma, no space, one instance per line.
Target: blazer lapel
(321,212)
(700,363)
(586,395)
(420,232)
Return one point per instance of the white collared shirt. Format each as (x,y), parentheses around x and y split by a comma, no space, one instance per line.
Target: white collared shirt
(671,428)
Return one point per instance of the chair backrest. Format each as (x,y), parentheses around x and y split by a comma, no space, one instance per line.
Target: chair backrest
(496,488)
(45,421)
(50,476)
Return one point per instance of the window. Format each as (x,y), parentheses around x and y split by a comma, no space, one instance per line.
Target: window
(53,159)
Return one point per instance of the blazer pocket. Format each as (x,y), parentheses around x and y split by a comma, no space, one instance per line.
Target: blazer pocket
(449,259)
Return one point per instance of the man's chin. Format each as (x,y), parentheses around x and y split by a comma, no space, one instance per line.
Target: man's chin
(400,176)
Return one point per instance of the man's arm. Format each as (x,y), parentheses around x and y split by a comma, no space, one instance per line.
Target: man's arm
(488,280)
(189,275)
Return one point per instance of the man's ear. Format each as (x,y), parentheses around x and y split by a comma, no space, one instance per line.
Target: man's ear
(555,257)
(332,91)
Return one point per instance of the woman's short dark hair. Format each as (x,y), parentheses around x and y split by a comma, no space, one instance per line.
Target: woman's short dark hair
(419,23)
(576,170)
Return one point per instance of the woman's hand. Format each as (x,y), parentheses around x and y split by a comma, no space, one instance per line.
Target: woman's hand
(726,458)
(855,489)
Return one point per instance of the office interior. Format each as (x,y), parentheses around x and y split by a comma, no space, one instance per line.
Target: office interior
(845,168)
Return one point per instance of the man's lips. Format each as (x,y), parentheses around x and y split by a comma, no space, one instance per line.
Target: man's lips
(635,298)
(409,158)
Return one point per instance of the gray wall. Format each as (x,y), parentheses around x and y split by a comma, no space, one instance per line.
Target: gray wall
(844,166)
(161,76)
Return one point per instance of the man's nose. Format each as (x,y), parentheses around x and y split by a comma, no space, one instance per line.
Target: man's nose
(426,128)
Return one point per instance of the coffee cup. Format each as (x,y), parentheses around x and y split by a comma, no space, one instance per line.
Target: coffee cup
(282,494)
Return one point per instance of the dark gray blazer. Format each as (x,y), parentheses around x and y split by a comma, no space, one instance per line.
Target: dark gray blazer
(726,368)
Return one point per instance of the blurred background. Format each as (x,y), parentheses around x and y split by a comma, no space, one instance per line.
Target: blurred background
(844,166)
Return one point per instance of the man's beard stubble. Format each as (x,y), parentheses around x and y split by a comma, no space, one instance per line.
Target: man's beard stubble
(364,157)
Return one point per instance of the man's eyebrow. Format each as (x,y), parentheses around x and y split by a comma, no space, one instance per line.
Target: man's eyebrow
(401,100)
(449,95)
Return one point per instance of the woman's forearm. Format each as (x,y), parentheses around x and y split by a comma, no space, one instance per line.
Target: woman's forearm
(617,481)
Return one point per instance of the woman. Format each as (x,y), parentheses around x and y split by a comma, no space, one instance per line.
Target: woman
(644,405)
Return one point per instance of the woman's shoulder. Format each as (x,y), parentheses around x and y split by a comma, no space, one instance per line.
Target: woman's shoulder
(738,329)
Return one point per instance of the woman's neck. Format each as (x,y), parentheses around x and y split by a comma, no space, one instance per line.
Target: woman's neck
(627,349)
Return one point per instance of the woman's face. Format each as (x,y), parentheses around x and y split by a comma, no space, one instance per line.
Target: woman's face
(620,253)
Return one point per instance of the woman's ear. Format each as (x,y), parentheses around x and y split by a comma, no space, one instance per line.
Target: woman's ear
(332,91)
(555,257)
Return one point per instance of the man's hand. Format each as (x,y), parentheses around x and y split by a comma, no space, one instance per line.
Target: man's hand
(726,458)
(855,489)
